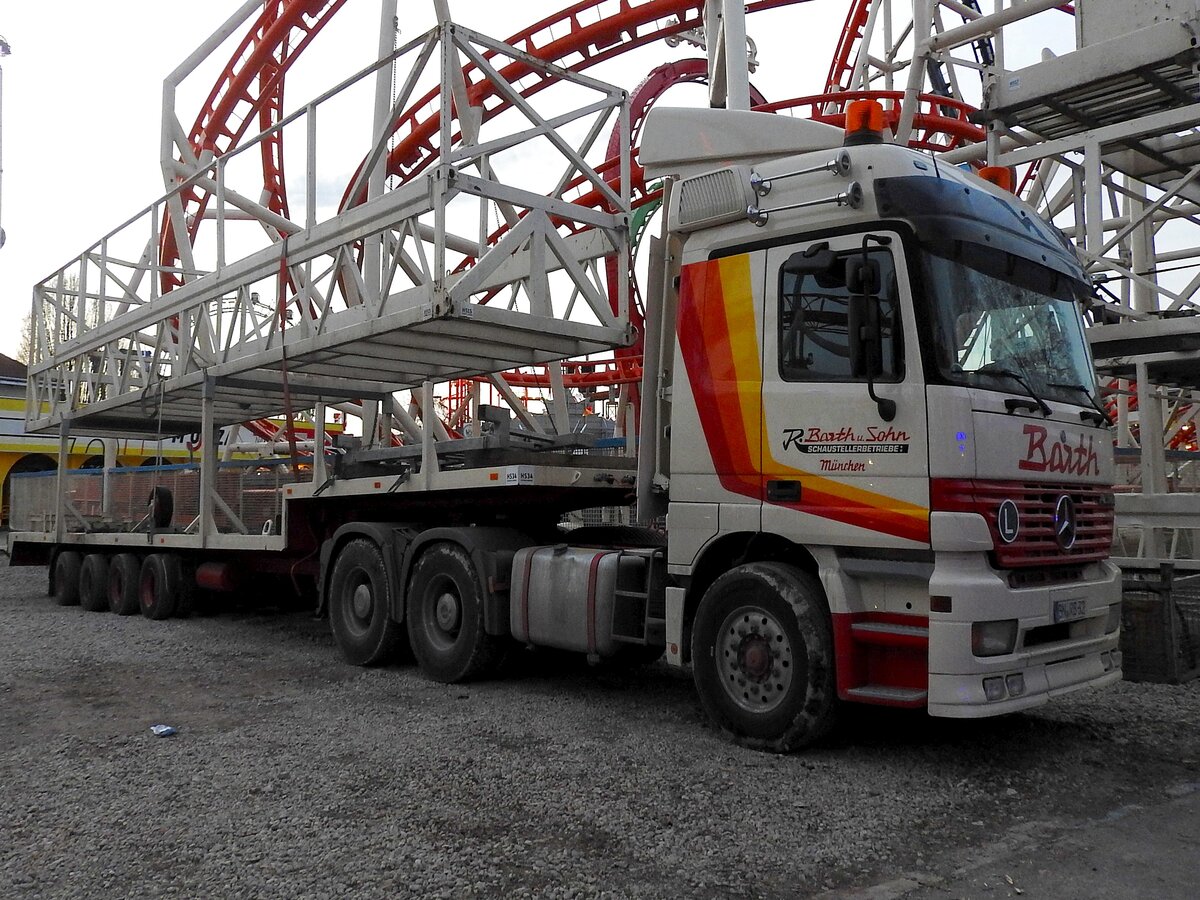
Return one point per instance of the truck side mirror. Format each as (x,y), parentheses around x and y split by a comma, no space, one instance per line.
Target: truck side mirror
(866,339)
(815,260)
(862,275)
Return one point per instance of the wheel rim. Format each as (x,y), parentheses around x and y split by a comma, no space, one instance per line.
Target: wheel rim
(754,659)
(361,606)
(447,612)
(443,608)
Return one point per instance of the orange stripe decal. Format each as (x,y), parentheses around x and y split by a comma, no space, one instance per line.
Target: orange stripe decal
(718,337)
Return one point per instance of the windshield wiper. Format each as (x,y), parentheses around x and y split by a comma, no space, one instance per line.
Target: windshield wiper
(1103,418)
(1001,372)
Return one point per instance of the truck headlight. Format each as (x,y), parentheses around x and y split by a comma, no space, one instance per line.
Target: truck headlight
(1114,619)
(994,638)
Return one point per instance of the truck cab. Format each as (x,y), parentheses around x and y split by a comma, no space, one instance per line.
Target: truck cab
(882,417)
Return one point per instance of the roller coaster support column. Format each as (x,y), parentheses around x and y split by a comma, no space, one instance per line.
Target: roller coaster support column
(725,33)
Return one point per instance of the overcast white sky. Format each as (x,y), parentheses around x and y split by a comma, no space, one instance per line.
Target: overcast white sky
(82,102)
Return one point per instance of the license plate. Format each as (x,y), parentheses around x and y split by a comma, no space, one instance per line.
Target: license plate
(1069,610)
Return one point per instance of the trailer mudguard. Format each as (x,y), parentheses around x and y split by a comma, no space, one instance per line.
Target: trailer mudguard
(491,550)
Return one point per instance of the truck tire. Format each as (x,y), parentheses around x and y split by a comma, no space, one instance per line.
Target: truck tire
(158,586)
(66,577)
(123,574)
(360,604)
(93,583)
(445,617)
(762,657)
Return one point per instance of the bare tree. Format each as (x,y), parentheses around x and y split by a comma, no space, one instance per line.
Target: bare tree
(25,347)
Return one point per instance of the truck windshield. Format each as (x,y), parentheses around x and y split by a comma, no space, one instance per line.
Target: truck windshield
(997,315)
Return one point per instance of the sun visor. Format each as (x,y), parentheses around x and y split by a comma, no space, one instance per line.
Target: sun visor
(685,142)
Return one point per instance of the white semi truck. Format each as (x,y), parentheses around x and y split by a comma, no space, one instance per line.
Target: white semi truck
(869,439)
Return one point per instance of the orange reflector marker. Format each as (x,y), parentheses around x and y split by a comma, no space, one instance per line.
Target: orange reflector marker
(1001,176)
(864,123)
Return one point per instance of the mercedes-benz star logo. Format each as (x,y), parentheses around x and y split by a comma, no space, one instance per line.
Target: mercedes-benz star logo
(1065,526)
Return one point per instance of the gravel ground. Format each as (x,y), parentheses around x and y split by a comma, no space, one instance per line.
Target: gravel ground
(295,775)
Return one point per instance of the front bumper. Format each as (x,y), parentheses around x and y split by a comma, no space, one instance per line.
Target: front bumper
(1049,659)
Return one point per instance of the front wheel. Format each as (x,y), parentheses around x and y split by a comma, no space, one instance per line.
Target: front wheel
(762,657)
(445,617)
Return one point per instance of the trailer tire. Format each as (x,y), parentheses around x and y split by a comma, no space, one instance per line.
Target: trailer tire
(123,574)
(158,586)
(762,657)
(359,605)
(93,583)
(445,617)
(66,577)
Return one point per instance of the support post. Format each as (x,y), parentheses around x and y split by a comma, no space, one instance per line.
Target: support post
(319,473)
(110,463)
(208,463)
(60,482)
(429,461)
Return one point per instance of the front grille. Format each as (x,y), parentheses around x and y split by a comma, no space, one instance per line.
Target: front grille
(1035,544)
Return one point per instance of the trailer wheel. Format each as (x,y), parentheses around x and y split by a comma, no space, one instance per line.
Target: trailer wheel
(158,586)
(66,577)
(93,583)
(445,617)
(123,574)
(359,605)
(762,657)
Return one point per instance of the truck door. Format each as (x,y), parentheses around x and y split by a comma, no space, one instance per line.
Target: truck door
(835,471)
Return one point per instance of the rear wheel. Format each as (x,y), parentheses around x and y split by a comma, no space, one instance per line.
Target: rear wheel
(762,657)
(158,586)
(445,617)
(93,583)
(360,605)
(66,578)
(123,574)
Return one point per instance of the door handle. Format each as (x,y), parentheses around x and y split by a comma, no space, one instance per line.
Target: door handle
(783,491)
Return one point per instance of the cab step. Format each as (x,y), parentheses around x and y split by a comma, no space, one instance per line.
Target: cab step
(909,698)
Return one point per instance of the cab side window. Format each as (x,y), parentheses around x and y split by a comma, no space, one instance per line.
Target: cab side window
(814,341)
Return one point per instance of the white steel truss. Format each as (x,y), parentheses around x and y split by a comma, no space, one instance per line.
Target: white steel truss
(409,286)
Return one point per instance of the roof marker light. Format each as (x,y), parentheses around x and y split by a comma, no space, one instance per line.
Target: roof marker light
(864,123)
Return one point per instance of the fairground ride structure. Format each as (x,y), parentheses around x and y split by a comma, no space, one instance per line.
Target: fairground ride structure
(530,265)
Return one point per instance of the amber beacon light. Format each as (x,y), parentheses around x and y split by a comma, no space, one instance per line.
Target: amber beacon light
(864,123)
(1000,176)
